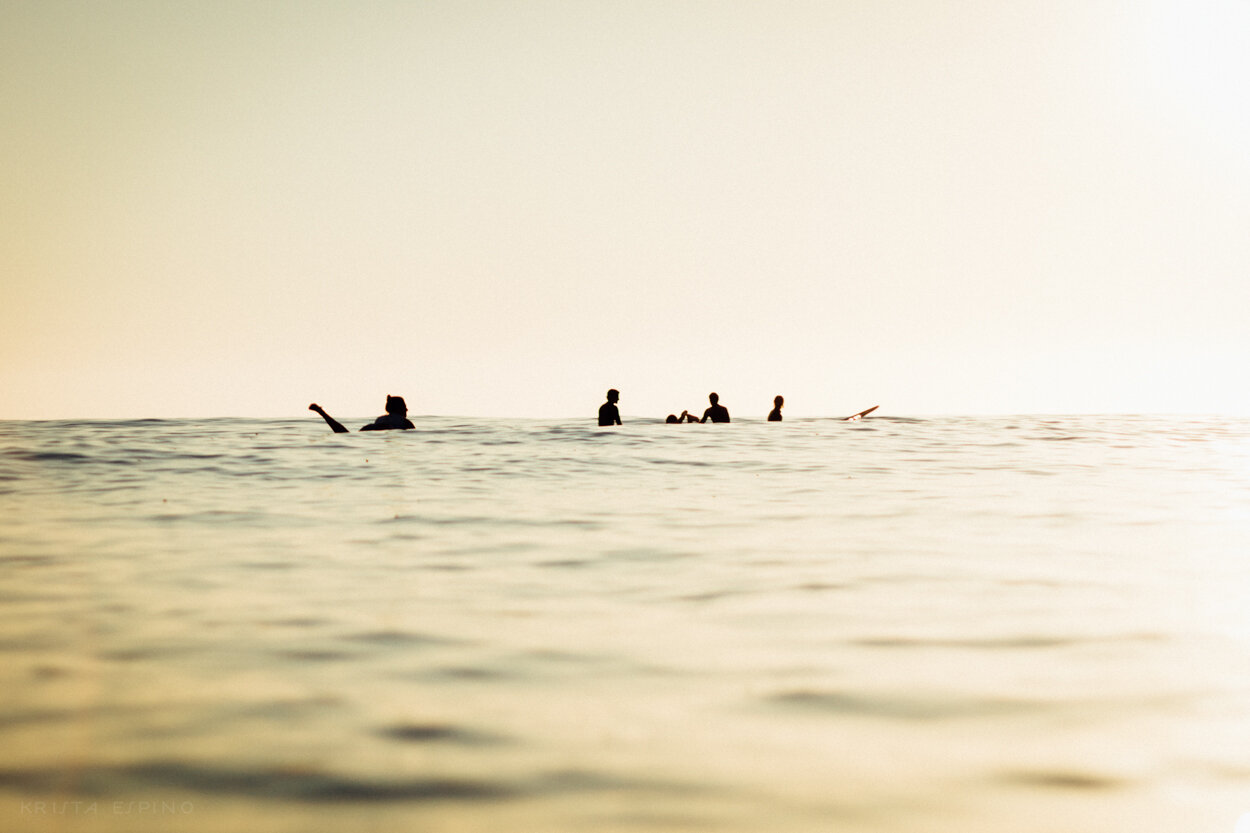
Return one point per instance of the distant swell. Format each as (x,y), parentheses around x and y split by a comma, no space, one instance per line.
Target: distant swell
(307,785)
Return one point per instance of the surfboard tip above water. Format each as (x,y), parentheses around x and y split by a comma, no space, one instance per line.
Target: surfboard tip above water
(861,414)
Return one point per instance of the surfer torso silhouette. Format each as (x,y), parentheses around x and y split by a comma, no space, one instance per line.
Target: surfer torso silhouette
(608,412)
(775,416)
(717,412)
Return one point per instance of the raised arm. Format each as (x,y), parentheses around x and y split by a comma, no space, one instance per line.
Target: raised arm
(334,424)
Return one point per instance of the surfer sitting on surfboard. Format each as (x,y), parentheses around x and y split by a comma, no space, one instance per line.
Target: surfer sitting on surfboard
(396,416)
(609,414)
(716,413)
(775,416)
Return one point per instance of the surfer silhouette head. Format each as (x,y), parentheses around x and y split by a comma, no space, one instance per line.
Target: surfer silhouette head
(395,406)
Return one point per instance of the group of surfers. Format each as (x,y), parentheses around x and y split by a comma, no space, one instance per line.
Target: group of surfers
(716,412)
(396,416)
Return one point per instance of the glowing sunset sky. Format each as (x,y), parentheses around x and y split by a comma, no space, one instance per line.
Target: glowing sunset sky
(504,208)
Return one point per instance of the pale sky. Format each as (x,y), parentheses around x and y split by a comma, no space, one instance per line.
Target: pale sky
(505,208)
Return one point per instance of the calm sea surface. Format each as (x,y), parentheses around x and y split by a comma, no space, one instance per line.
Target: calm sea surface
(1006,625)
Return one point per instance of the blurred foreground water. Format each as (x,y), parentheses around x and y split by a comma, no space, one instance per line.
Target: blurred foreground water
(894,626)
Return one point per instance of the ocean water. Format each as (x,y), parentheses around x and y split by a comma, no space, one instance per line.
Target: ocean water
(1025,624)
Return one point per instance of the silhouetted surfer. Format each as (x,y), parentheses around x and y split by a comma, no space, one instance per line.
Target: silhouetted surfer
(608,413)
(686,416)
(716,413)
(396,416)
(775,416)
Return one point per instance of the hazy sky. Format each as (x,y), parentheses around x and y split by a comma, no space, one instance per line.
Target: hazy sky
(504,208)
